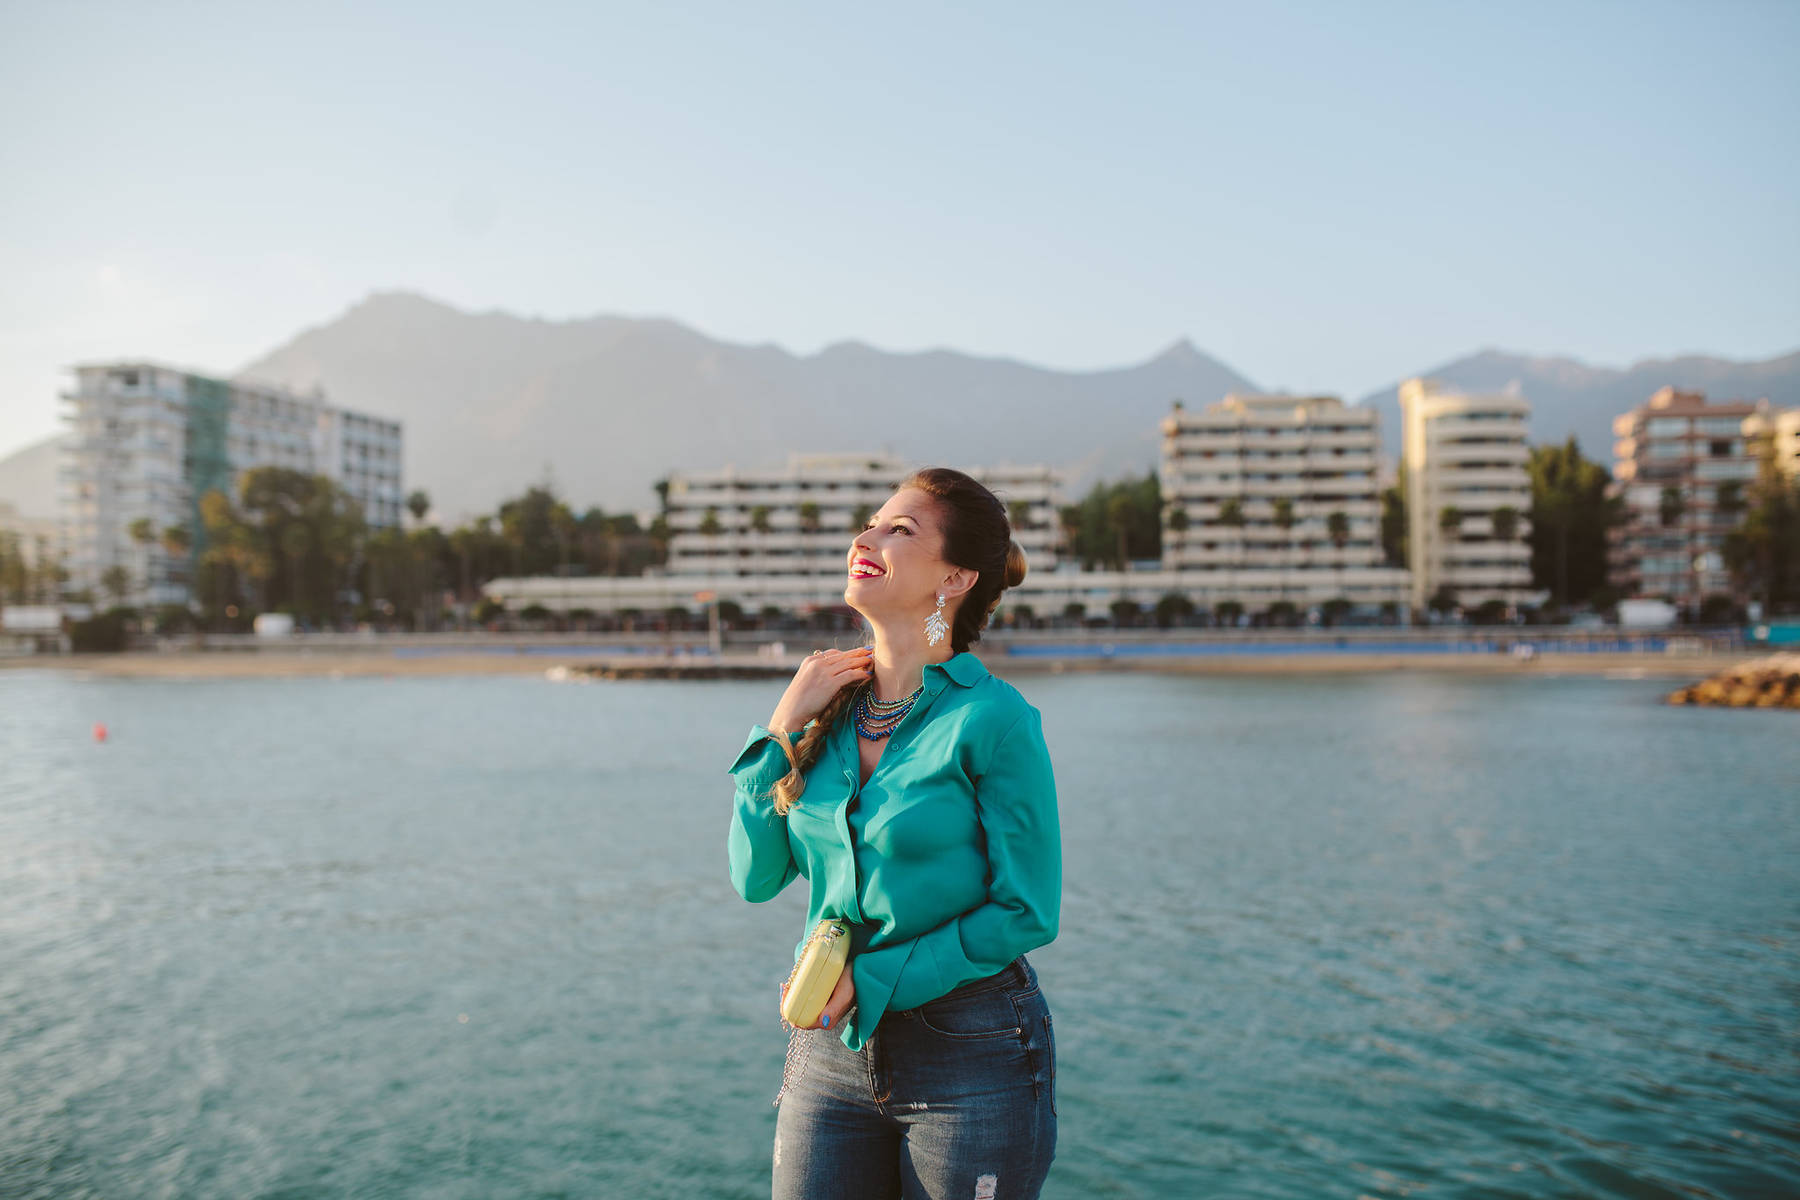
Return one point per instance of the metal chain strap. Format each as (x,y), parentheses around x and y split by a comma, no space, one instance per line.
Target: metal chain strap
(799,1048)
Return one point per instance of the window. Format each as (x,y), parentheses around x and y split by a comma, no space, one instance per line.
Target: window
(1666,426)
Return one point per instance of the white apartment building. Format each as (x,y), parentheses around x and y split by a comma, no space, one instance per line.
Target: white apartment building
(1776,430)
(1466,459)
(793,524)
(147,441)
(1269,498)
(1683,468)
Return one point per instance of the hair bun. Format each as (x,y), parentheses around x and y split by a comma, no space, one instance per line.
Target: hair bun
(1015,563)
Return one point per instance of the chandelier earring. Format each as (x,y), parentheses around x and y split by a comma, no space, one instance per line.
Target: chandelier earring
(935,629)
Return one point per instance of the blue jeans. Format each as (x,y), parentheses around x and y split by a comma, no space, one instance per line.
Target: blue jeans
(954,1098)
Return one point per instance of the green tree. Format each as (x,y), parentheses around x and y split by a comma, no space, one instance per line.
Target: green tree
(1115,522)
(1505,522)
(1173,607)
(1671,506)
(1729,500)
(759,518)
(1571,512)
(1227,612)
(809,516)
(1018,514)
(418,504)
(1178,518)
(709,522)
(15,572)
(537,528)
(1763,552)
(859,519)
(1393,522)
(116,579)
(1231,516)
(1450,518)
(1337,528)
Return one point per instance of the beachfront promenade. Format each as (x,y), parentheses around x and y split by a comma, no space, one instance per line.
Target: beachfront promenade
(1272,651)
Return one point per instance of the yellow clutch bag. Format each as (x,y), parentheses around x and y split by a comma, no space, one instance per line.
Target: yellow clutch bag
(816,972)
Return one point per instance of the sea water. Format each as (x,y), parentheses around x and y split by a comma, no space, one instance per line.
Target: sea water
(1385,934)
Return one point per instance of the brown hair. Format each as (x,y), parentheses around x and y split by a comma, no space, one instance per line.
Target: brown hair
(977,535)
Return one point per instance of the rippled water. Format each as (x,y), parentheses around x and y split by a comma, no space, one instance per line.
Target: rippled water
(1334,936)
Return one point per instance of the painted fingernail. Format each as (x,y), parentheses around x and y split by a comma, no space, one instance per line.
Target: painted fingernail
(825,1021)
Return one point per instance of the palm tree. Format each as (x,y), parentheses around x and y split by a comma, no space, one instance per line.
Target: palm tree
(1231,515)
(1176,522)
(860,517)
(1018,514)
(143,532)
(809,516)
(759,518)
(1118,515)
(1284,521)
(1450,518)
(117,580)
(418,504)
(1670,506)
(709,522)
(1337,528)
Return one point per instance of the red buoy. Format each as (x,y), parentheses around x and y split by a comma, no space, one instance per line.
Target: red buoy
(99,732)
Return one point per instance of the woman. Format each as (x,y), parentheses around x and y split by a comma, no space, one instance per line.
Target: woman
(913,791)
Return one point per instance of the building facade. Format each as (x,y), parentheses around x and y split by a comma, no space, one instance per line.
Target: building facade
(1272,498)
(148,441)
(1683,468)
(793,524)
(1468,490)
(1775,432)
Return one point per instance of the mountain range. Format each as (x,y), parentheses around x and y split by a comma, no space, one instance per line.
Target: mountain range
(602,407)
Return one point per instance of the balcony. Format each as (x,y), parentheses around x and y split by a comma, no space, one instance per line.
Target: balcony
(1448,455)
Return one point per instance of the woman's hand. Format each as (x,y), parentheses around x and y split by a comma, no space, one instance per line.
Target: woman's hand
(819,678)
(843,997)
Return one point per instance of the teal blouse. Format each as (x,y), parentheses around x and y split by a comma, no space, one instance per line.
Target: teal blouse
(947,863)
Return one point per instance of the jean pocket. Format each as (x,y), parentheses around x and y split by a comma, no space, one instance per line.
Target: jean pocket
(989,1014)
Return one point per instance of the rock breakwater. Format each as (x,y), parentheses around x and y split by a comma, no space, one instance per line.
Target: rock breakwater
(1771,682)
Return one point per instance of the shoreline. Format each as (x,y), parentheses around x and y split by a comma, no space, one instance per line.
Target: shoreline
(334,664)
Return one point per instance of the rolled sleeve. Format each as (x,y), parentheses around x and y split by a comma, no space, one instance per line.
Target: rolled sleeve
(761,861)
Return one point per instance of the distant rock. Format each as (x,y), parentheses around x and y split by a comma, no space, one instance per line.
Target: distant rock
(1769,682)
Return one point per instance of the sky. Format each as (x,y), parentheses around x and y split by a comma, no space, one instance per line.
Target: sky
(1324,196)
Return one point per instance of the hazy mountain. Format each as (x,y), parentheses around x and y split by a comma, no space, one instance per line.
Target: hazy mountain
(608,405)
(28,479)
(1571,397)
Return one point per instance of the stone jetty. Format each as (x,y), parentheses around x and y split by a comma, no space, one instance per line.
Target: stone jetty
(1771,682)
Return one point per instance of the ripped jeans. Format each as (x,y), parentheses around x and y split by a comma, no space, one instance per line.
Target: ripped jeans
(952,1100)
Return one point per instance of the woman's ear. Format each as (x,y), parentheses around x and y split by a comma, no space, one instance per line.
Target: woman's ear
(957,582)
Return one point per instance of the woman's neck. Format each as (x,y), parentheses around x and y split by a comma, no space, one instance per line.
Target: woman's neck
(900,657)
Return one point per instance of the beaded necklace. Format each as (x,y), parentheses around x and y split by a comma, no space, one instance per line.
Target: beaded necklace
(875,719)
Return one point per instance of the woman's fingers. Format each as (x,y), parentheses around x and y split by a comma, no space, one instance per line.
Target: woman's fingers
(842,997)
